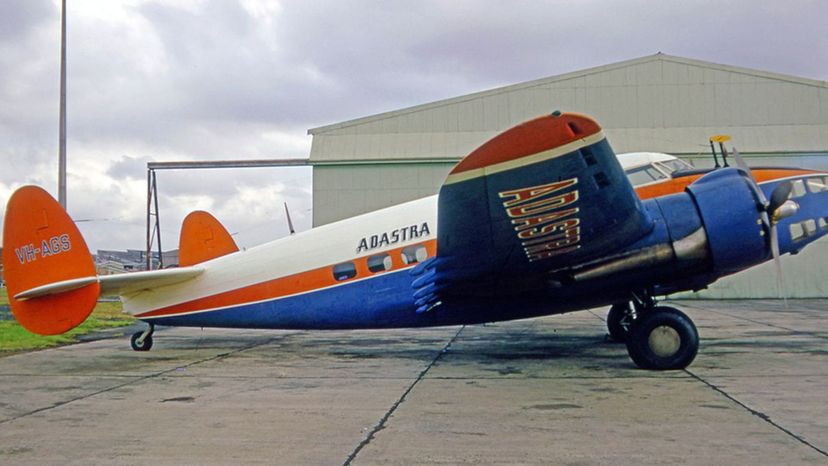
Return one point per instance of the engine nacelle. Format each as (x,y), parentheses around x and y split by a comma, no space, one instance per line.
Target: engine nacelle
(731,212)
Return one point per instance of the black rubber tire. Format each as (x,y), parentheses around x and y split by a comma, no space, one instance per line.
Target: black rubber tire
(617,331)
(143,347)
(669,327)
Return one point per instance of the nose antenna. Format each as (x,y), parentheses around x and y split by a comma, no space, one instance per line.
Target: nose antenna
(721,139)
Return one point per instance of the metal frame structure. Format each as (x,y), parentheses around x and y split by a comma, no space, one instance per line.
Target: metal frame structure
(154,229)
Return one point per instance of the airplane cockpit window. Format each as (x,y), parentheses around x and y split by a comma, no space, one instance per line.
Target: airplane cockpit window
(818,184)
(414,254)
(798,189)
(379,263)
(644,175)
(671,166)
(344,271)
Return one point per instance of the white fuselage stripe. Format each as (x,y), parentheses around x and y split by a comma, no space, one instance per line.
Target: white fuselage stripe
(524,161)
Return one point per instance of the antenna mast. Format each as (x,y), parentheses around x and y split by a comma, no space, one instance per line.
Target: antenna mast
(290,223)
(62,137)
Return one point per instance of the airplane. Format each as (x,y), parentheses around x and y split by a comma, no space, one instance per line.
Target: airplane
(539,220)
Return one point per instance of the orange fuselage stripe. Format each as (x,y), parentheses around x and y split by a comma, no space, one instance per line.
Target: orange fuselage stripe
(302,282)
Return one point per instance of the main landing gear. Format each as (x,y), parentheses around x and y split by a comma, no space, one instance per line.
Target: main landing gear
(657,337)
(142,341)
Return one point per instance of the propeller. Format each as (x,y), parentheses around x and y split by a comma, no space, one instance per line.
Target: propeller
(778,208)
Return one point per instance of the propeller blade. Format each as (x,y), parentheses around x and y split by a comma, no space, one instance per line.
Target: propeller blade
(769,218)
(780,280)
(740,162)
(779,195)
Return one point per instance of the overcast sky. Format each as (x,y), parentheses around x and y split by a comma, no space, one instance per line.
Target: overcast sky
(239,79)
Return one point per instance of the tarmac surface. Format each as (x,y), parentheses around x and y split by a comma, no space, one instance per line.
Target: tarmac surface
(542,391)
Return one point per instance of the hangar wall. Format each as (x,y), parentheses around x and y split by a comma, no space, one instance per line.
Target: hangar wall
(655,103)
(342,191)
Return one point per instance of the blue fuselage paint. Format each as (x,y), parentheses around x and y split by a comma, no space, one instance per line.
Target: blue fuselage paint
(383,301)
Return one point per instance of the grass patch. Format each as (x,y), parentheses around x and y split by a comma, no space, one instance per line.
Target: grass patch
(15,338)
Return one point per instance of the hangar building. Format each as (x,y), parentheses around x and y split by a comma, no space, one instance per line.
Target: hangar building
(657,103)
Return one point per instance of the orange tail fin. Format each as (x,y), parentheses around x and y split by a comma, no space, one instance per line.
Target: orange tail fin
(203,238)
(50,275)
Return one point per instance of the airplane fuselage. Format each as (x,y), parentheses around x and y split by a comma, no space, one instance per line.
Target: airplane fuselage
(356,273)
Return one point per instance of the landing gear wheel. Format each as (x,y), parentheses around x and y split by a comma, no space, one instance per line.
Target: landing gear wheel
(619,320)
(138,344)
(663,339)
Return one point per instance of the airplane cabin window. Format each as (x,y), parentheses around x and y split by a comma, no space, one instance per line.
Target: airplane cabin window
(379,263)
(805,228)
(798,189)
(414,254)
(823,223)
(810,227)
(344,271)
(797,233)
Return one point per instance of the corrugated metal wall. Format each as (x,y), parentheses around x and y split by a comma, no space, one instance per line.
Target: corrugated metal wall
(657,103)
(342,191)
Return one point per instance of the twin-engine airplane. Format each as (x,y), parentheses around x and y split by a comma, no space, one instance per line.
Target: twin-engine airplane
(539,220)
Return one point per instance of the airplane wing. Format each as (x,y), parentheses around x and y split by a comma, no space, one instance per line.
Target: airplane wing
(543,196)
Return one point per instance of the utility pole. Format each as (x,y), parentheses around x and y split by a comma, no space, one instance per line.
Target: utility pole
(62,137)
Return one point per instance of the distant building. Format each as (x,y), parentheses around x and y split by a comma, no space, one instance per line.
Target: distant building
(132,260)
(109,268)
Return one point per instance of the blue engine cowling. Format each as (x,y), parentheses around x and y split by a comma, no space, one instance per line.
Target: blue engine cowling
(731,213)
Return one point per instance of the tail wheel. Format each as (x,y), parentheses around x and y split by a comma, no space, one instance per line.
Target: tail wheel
(663,339)
(619,320)
(138,344)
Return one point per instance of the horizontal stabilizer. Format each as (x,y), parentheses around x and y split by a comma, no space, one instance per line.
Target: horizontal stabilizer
(56,288)
(121,284)
(128,283)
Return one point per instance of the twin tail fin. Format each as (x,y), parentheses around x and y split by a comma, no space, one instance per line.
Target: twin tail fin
(50,274)
(45,255)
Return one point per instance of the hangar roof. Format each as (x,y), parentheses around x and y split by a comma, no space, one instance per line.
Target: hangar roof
(658,103)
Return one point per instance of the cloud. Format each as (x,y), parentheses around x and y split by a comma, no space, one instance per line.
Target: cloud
(20,17)
(221,79)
